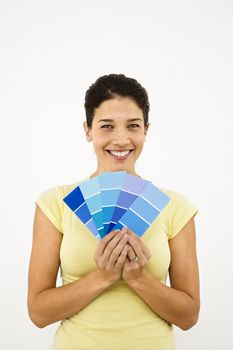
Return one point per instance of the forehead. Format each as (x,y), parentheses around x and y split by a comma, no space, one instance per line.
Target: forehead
(120,107)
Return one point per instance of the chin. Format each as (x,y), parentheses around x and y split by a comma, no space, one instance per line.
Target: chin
(121,167)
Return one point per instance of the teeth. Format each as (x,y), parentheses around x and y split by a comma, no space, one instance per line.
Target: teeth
(119,154)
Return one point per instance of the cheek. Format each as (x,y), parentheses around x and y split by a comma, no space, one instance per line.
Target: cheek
(98,143)
(139,141)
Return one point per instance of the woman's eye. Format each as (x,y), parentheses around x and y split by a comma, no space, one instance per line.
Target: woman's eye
(133,125)
(106,126)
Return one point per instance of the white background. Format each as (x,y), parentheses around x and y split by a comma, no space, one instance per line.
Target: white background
(182,52)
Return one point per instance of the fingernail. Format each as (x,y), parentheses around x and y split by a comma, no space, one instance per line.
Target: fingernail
(124,230)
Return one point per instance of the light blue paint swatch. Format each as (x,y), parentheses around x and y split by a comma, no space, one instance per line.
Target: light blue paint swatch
(116,199)
(144,210)
(76,202)
(131,188)
(110,186)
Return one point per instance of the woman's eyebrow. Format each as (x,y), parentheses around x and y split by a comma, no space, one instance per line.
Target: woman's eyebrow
(112,120)
(135,120)
(106,120)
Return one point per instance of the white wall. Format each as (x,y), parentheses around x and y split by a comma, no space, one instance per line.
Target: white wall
(182,52)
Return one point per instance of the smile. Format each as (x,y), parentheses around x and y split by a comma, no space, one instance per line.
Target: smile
(119,154)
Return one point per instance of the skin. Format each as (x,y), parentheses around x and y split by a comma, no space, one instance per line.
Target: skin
(117,126)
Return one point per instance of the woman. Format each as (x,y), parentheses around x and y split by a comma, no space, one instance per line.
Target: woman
(114,294)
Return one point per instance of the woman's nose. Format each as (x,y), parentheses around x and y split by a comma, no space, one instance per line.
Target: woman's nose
(121,138)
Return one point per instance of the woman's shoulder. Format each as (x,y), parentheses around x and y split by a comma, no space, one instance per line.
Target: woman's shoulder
(64,190)
(179,210)
(174,195)
(58,192)
(179,202)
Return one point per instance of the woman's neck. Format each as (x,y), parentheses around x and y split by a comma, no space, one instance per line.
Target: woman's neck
(98,172)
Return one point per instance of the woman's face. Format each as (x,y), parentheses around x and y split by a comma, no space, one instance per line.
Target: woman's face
(118,134)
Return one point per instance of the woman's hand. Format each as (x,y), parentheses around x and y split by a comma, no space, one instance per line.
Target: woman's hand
(111,253)
(137,258)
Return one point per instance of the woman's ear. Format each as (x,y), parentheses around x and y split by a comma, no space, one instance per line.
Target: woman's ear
(146,130)
(87,132)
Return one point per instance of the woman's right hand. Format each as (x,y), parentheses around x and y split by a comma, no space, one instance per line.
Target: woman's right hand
(111,254)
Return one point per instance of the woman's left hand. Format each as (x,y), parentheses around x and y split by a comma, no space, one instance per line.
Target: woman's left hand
(138,256)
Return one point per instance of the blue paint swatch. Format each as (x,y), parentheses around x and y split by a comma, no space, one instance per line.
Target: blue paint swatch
(92,195)
(131,188)
(110,187)
(144,210)
(76,202)
(116,199)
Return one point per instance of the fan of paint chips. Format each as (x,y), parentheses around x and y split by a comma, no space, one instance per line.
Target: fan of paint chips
(113,200)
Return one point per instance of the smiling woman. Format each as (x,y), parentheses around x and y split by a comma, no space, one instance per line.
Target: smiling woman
(114,293)
(118,134)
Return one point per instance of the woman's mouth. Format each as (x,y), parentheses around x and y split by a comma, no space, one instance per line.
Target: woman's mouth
(120,155)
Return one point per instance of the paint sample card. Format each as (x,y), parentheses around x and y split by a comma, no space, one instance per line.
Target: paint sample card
(116,199)
(77,204)
(144,210)
(91,192)
(110,187)
(130,190)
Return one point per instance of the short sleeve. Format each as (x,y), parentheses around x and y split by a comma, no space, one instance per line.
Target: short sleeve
(181,211)
(50,203)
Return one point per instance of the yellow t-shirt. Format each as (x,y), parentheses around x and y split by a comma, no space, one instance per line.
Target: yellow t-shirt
(118,319)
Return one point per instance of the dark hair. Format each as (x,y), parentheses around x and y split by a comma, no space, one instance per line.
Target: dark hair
(110,86)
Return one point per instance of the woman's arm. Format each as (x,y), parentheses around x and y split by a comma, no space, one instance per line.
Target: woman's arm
(180,303)
(48,303)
